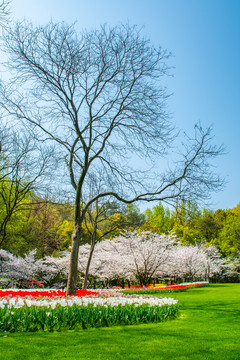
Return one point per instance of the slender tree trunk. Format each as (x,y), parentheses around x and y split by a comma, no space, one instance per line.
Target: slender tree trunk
(76,238)
(93,243)
(3,229)
(73,269)
(88,266)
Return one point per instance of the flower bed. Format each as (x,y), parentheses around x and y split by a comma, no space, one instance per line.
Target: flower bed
(43,293)
(164,289)
(55,312)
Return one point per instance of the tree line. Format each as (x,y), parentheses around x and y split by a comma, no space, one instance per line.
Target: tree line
(47,226)
(131,258)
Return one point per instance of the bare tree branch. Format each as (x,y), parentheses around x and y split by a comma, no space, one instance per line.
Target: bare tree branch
(4,13)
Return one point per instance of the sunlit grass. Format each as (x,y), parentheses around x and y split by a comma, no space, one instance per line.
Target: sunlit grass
(207,329)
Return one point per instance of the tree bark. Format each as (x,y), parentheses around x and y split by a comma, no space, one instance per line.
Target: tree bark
(88,266)
(73,269)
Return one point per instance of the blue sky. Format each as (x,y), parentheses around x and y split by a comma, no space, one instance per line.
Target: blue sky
(204,38)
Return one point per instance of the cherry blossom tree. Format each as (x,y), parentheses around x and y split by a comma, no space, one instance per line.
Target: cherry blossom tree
(110,263)
(188,263)
(231,269)
(131,256)
(214,261)
(53,271)
(16,270)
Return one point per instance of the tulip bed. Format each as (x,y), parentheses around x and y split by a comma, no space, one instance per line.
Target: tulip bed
(50,293)
(164,289)
(37,311)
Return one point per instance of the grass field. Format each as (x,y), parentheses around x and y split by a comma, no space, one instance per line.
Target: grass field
(208,329)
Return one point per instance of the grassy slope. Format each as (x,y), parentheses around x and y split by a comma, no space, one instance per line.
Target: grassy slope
(208,328)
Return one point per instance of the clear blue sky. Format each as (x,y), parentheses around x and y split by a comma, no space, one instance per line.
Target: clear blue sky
(204,37)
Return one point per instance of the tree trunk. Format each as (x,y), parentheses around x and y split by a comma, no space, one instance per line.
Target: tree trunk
(73,269)
(88,266)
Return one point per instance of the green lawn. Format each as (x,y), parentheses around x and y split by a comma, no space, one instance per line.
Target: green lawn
(208,328)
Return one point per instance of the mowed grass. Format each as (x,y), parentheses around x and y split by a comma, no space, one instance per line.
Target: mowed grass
(208,328)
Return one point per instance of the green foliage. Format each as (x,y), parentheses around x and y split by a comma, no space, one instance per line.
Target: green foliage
(184,219)
(37,223)
(43,226)
(114,225)
(64,232)
(220,228)
(13,218)
(13,214)
(134,217)
(228,239)
(158,220)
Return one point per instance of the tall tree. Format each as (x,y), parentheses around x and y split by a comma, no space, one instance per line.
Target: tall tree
(228,239)
(184,220)
(158,219)
(134,218)
(98,97)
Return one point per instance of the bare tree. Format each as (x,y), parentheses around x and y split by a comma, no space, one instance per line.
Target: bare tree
(98,97)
